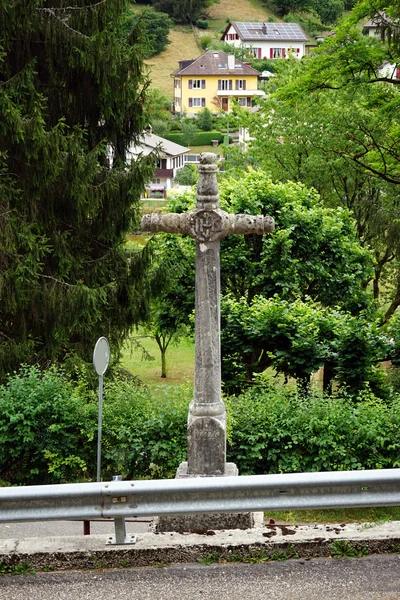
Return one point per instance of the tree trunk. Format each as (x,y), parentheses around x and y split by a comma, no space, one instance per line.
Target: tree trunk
(163,362)
(328,378)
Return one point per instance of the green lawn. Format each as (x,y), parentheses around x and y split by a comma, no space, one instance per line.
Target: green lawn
(180,361)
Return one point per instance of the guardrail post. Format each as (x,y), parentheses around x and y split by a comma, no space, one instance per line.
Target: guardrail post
(120,527)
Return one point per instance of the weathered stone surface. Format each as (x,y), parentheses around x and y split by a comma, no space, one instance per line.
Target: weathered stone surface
(206,446)
(206,522)
(207,224)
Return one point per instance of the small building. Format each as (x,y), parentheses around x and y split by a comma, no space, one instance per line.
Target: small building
(381,26)
(170,160)
(212,81)
(267,40)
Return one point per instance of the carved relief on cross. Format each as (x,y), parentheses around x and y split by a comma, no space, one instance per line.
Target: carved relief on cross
(207,224)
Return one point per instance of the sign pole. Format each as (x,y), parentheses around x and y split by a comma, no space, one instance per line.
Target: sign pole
(101,358)
(99,427)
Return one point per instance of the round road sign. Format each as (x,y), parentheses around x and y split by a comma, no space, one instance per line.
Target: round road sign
(101,356)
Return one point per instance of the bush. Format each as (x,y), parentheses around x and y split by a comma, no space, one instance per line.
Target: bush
(188,175)
(203,138)
(202,23)
(277,430)
(205,41)
(46,431)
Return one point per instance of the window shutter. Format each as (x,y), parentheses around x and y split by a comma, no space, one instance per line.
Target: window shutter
(237,84)
(190,101)
(219,84)
(230,84)
(259,52)
(203,102)
(297,50)
(248,101)
(271,53)
(283,52)
(190,84)
(244,84)
(203,84)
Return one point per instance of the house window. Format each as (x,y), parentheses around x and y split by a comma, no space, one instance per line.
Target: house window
(277,53)
(256,52)
(233,36)
(156,180)
(197,102)
(240,84)
(245,102)
(197,84)
(225,84)
(177,83)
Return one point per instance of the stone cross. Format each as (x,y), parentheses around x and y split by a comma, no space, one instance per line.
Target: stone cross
(207,224)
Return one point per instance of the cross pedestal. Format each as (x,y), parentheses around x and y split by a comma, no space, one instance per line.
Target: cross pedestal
(207,224)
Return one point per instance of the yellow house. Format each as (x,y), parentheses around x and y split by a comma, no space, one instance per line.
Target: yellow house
(212,81)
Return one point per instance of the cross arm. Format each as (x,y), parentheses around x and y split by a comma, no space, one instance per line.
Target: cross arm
(168,223)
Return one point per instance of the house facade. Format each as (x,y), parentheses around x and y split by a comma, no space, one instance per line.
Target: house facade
(267,40)
(170,158)
(212,81)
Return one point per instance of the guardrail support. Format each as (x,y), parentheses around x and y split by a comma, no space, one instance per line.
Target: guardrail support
(120,536)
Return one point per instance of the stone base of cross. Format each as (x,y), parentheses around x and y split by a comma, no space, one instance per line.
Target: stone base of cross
(207,224)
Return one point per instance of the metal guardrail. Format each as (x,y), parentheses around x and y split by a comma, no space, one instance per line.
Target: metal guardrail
(120,499)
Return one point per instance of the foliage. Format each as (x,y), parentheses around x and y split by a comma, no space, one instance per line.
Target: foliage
(203,138)
(202,23)
(157,110)
(64,212)
(296,339)
(205,120)
(282,7)
(189,131)
(48,429)
(205,41)
(313,256)
(46,432)
(155,25)
(278,430)
(183,11)
(188,175)
(329,11)
(314,140)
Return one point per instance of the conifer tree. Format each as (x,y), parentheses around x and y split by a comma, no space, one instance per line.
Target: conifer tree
(72,90)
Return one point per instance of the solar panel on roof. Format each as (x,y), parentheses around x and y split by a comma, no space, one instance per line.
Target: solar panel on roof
(290,31)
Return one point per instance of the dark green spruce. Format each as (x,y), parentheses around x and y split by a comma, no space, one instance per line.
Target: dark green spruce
(72,90)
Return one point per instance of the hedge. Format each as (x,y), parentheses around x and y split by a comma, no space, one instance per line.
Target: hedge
(203,138)
(48,429)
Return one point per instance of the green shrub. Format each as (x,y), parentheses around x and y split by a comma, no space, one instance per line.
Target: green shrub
(202,23)
(277,430)
(205,41)
(188,175)
(203,138)
(46,431)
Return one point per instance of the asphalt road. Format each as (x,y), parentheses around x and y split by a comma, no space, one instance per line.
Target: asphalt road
(370,578)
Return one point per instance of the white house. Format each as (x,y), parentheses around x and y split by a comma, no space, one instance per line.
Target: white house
(379,26)
(267,40)
(171,158)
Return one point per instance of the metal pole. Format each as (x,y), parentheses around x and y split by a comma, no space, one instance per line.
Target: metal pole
(99,427)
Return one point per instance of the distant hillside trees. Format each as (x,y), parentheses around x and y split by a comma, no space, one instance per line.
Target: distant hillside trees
(183,11)
(154,25)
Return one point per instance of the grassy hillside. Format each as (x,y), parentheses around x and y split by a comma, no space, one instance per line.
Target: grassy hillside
(183,46)
(183,41)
